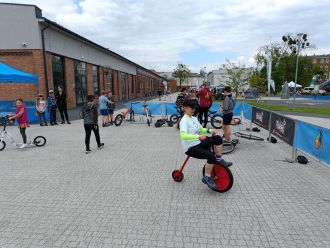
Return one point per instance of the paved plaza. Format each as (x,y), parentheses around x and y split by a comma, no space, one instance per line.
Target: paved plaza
(124,196)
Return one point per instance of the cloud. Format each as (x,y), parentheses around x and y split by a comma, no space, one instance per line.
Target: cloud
(154,33)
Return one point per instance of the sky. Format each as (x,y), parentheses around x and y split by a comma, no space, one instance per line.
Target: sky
(159,34)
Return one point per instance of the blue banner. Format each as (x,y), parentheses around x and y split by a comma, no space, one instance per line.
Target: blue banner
(247,111)
(313,140)
(157,108)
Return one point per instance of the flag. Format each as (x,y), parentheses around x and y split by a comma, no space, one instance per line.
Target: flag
(269,71)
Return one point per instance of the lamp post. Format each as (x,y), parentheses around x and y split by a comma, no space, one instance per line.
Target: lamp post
(296,44)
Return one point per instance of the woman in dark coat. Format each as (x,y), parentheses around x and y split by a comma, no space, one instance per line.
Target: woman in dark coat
(61,104)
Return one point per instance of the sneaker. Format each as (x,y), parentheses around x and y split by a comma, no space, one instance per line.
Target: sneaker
(68,122)
(88,151)
(100,146)
(55,123)
(23,146)
(209,182)
(62,122)
(46,124)
(225,163)
(41,125)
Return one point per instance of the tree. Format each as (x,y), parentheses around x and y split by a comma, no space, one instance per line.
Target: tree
(182,72)
(258,82)
(237,76)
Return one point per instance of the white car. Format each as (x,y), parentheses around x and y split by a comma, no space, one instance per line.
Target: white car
(307,90)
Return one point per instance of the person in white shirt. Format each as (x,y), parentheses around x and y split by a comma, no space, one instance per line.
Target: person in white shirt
(195,144)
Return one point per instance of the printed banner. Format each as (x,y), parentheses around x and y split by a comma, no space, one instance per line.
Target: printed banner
(261,117)
(282,127)
(313,140)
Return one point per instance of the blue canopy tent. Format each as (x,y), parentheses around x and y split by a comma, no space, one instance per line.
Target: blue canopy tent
(9,74)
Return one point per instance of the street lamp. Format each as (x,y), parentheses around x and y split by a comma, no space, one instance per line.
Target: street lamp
(296,44)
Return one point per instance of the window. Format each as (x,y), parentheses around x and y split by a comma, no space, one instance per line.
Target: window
(138,84)
(326,60)
(123,85)
(80,82)
(109,82)
(326,68)
(322,61)
(96,80)
(58,71)
(314,61)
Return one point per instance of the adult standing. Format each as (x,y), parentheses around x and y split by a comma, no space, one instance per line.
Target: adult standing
(205,102)
(62,105)
(90,116)
(104,101)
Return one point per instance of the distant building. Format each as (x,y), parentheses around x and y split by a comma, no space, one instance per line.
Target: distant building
(322,61)
(59,57)
(193,80)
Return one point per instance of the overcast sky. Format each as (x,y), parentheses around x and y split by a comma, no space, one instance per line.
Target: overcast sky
(159,34)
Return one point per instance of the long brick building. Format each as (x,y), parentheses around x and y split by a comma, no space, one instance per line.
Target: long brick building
(60,57)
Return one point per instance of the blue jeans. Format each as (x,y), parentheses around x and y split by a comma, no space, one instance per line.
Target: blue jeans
(52,114)
(42,118)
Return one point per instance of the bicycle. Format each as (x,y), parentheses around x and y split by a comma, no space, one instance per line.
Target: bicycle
(248,136)
(37,141)
(123,116)
(221,175)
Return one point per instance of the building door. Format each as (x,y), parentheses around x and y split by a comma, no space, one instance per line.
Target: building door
(80,82)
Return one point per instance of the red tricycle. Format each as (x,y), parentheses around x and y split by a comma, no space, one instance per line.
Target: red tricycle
(221,175)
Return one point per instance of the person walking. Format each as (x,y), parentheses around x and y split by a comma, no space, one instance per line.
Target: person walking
(205,102)
(90,116)
(62,105)
(52,105)
(111,106)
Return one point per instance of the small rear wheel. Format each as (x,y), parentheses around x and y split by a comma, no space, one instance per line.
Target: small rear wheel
(170,123)
(2,145)
(174,118)
(216,121)
(222,177)
(119,119)
(39,141)
(235,121)
(177,176)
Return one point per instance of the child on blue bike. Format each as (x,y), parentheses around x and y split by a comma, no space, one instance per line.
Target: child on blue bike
(195,144)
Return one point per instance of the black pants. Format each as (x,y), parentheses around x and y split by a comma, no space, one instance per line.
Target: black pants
(22,131)
(203,111)
(64,111)
(88,130)
(202,150)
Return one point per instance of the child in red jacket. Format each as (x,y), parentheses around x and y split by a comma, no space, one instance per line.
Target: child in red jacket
(22,118)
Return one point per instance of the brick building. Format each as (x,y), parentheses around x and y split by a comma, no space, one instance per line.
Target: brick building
(322,61)
(58,56)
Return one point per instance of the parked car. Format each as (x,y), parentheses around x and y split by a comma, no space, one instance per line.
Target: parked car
(251,93)
(307,90)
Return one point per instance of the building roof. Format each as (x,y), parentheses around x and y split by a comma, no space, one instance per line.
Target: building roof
(49,22)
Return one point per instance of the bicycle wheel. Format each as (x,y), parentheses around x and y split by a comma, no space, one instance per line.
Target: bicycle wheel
(2,145)
(249,136)
(216,121)
(119,119)
(174,118)
(235,121)
(39,141)
(227,148)
(222,177)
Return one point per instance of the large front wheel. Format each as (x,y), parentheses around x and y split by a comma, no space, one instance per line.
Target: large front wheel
(222,177)
(174,118)
(2,145)
(39,141)
(216,121)
(119,119)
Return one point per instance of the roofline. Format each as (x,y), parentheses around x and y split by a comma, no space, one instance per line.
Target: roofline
(22,4)
(99,46)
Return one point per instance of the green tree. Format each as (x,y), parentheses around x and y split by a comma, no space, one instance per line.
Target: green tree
(258,82)
(181,72)
(237,76)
